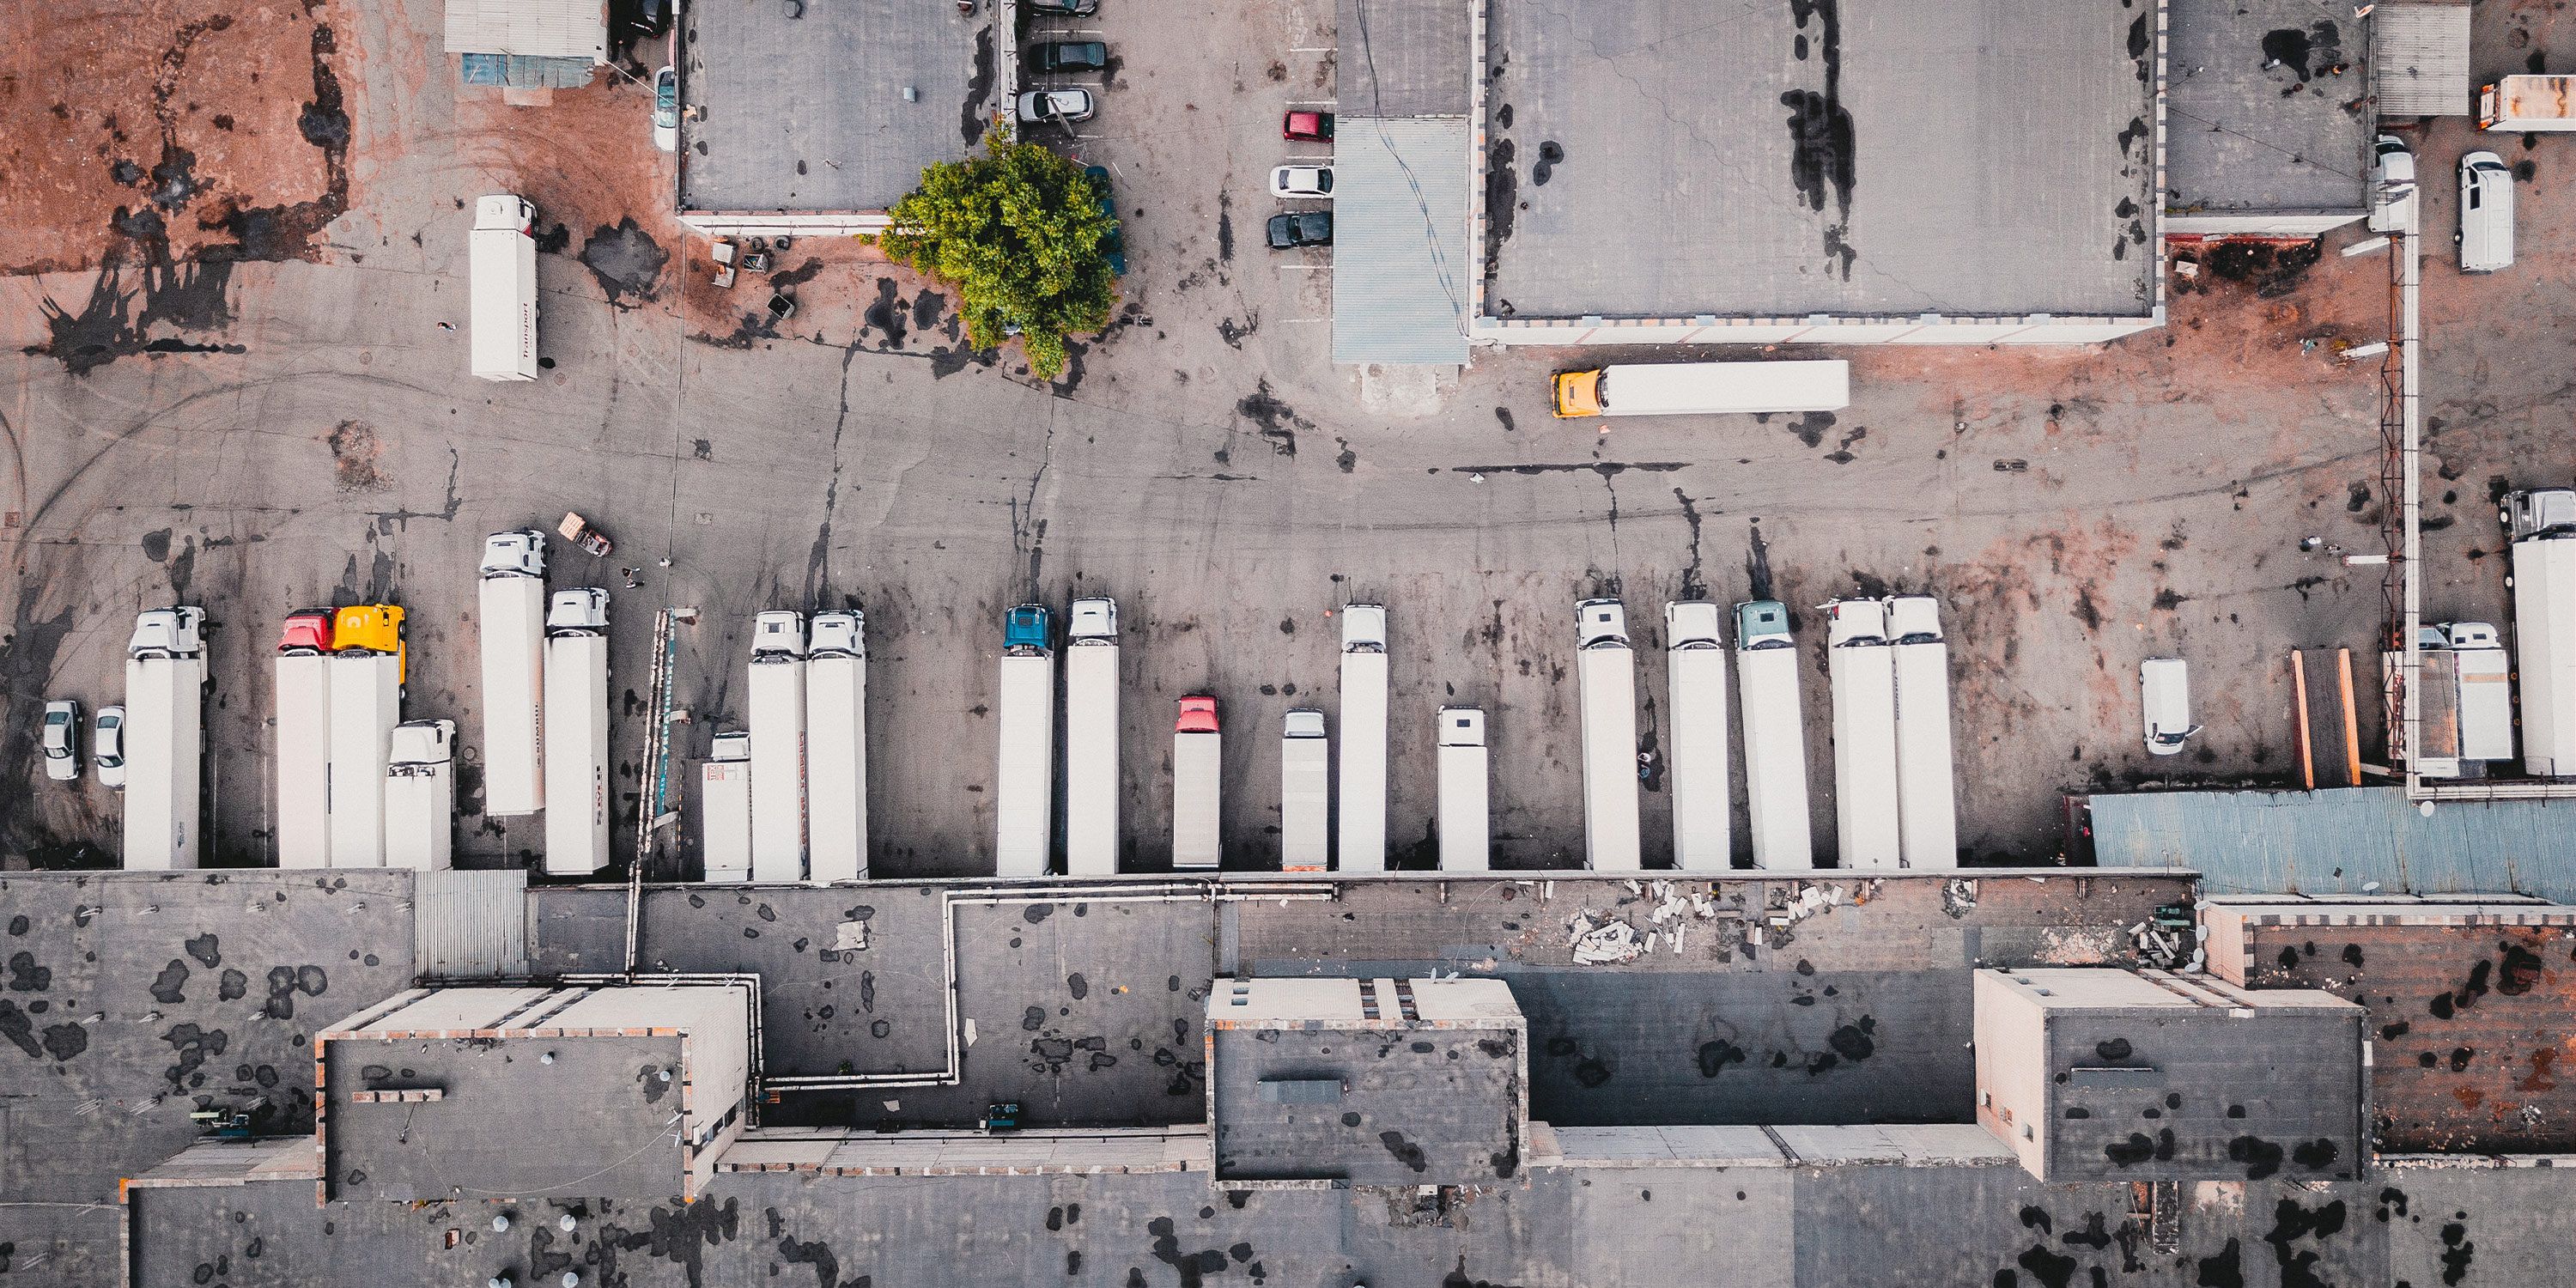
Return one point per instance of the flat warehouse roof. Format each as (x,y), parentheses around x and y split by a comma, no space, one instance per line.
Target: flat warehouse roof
(1966,158)
(811,114)
(2250,131)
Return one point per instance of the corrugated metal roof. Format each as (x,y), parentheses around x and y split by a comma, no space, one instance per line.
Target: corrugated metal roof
(2338,841)
(1400,213)
(1405,57)
(540,28)
(520,71)
(2419,59)
(470,925)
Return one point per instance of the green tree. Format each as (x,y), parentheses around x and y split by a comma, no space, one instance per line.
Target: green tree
(1020,235)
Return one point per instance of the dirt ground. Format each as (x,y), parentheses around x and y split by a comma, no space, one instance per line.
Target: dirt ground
(162,127)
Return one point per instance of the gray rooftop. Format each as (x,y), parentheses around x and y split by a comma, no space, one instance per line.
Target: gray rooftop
(2250,131)
(809,114)
(1983,158)
(1400,219)
(1404,57)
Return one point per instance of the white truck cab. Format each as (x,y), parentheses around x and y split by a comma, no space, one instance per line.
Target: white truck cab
(778,632)
(841,633)
(167,632)
(583,611)
(517,553)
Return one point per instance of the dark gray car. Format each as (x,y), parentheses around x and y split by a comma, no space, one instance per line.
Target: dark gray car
(1310,228)
(1070,56)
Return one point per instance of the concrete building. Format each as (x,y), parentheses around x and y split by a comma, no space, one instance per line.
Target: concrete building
(2099,1074)
(483,1093)
(527,46)
(2276,146)
(1371,1081)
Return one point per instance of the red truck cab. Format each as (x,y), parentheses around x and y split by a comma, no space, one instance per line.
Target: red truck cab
(1198,715)
(308,632)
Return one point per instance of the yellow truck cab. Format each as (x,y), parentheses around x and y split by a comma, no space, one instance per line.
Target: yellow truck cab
(372,628)
(1578,393)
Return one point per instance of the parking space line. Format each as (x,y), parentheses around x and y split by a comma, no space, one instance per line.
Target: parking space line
(1311,49)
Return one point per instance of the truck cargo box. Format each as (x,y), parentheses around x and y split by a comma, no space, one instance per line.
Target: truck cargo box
(501,262)
(1363,751)
(366,700)
(724,809)
(1305,794)
(836,766)
(303,823)
(1775,743)
(777,702)
(1466,821)
(1606,675)
(1198,767)
(164,761)
(576,754)
(513,663)
(420,796)
(1091,786)
(1695,671)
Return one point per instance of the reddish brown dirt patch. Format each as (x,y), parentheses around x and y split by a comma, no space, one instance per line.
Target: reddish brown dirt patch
(162,131)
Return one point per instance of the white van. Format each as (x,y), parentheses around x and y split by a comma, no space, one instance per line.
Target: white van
(2164,688)
(2486,213)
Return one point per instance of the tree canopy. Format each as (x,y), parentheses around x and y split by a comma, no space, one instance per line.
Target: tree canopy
(1022,237)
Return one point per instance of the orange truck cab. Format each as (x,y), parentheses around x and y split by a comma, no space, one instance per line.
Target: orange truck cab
(1578,393)
(372,628)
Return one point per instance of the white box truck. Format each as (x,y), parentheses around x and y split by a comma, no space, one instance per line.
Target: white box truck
(1695,715)
(1091,739)
(1704,388)
(501,263)
(2543,528)
(1363,820)
(302,827)
(2528,105)
(420,796)
(1926,768)
(366,704)
(1198,767)
(724,809)
(514,667)
(1863,671)
(165,682)
(1024,784)
(777,688)
(1466,823)
(576,747)
(1305,793)
(836,748)
(1775,744)
(1605,671)
(2486,690)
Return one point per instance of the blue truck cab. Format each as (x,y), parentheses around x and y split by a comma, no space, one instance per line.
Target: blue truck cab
(1025,627)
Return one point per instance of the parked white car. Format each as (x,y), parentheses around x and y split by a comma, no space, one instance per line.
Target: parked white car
(2392,187)
(666,110)
(1055,105)
(107,747)
(2164,689)
(61,740)
(1302,181)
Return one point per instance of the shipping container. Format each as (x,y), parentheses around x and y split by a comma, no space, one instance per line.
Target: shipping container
(1606,674)
(366,704)
(420,796)
(1363,754)
(1024,784)
(836,749)
(1695,673)
(724,809)
(1775,743)
(513,631)
(1091,786)
(1466,821)
(1926,766)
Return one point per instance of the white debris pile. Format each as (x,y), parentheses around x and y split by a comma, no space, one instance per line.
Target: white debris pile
(1602,943)
(2165,947)
(1810,900)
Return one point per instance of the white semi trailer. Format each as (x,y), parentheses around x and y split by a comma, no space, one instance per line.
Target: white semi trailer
(1466,821)
(724,809)
(777,689)
(514,665)
(366,704)
(420,796)
(1024,786)
(1926,793)
(1863,671)
(576,718)
(836,748)
(1695,668)
(2543,528)
(1198,764)
(302,828)
(1305,793)
(1363,791)
(1605,671)
(165,683)
(2486,690)
(501,266)
(1091,836)
(1775,744)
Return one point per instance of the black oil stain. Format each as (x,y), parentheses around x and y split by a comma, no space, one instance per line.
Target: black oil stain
(206,949)
(627,262)
(167,985)
(2261,1157)
(1822,150)
(1405,1151)
(1279,422)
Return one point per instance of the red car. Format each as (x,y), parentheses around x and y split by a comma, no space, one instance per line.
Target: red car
(1307,127)
(1198,715)
(307,632)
